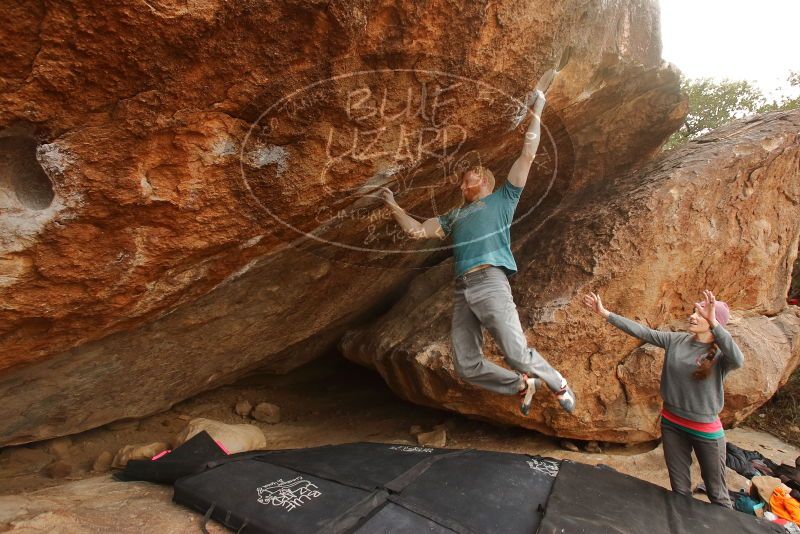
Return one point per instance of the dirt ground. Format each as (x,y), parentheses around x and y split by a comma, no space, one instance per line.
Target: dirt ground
(327,402)
(781,414)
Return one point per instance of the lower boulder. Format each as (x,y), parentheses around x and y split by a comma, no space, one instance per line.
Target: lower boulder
(721,212)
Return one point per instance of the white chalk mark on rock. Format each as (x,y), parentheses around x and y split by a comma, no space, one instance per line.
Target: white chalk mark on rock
(269,155)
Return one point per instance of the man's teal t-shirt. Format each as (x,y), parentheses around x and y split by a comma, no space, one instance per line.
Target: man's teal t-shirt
(481,230)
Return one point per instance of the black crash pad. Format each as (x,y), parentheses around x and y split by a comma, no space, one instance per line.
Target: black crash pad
(593,500)
(371,487)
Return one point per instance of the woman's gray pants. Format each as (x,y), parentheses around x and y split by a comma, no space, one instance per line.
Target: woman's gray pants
(483,297)
(710,453)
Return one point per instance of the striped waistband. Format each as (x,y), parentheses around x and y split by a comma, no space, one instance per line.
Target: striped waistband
(712,430)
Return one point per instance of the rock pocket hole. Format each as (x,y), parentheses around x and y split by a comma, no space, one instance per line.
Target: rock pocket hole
(21,176)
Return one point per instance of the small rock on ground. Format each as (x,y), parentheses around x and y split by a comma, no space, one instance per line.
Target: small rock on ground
(58,469)
(102,463)
(593,447)
(243,408)
(568,445)
(267,413)
(436,438)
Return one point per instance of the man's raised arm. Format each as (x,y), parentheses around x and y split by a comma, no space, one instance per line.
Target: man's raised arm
(415,229)
(518,174)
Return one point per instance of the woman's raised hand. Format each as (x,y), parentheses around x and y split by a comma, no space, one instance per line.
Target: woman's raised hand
(594,303)
(708,310)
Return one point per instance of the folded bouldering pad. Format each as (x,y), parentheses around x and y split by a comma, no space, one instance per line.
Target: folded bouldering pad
(189,458)
(363,487)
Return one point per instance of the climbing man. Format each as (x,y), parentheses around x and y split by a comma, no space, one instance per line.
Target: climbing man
(483,262)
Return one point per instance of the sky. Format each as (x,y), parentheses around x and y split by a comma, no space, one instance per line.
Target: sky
(735,39)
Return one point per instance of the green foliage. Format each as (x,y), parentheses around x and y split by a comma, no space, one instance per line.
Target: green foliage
(713,103)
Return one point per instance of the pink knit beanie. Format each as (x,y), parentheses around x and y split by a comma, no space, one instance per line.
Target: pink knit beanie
(721,311)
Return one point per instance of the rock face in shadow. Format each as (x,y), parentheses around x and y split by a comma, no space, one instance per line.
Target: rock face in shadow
(722,212)
(183,187)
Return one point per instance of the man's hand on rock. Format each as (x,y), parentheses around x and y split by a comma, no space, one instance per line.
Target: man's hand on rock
(539,101)
(387,196)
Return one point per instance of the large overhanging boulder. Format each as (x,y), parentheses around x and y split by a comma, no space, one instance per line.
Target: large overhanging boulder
(722,212)
(172,214)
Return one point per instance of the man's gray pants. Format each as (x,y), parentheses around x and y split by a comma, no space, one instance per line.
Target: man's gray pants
(710,453)
(483,297)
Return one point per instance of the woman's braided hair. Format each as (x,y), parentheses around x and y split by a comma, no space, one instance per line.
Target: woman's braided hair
(703,370)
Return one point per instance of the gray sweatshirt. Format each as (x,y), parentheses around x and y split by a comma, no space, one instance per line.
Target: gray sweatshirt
(697,400)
